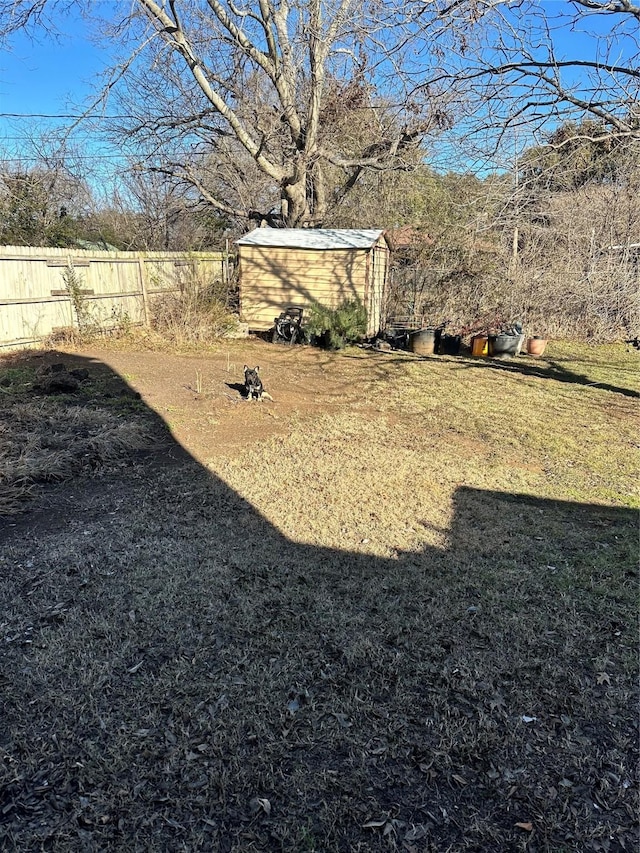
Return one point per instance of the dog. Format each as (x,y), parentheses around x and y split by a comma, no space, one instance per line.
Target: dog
(253,384)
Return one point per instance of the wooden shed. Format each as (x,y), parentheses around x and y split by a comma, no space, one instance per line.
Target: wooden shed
(304,266)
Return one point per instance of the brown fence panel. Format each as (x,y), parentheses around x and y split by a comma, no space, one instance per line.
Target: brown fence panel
(113,286)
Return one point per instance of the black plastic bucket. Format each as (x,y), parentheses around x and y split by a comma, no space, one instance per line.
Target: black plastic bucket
(450,344)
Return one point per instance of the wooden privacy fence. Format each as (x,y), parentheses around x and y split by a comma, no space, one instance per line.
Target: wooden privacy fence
(113,287)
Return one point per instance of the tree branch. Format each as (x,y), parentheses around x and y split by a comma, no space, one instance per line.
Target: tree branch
(171,31)
(610,7)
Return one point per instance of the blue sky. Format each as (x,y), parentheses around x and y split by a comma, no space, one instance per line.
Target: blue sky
(47,76)
(41,75)
(44,77)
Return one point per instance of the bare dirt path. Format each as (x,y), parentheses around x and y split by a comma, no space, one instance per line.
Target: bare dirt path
(202,412)
(200,398)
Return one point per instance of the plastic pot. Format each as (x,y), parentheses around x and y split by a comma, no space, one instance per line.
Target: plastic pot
(450,344)
(536,346)
(424,341)
(480,345)
(505,345)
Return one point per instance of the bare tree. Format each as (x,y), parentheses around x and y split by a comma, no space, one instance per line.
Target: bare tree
(249,99)
(277,109)
(532,65)
(151,212)
(22,14)
(44,193)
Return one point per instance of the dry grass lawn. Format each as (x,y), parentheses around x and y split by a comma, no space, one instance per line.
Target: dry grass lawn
(393,609)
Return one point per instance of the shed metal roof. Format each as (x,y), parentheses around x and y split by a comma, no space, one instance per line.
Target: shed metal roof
(313,238)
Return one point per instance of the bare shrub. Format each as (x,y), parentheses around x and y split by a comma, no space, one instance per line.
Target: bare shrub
(450,283)
(199,313)
(578,262)
(564,263)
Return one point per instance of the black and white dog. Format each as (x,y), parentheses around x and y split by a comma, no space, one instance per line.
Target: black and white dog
(253,384)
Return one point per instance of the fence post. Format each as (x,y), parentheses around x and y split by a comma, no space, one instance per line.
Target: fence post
(143,287)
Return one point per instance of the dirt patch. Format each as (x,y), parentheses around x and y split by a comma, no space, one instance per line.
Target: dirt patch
(201,398)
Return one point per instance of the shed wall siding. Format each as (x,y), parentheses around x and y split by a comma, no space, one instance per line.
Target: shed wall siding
(272,278)
(380,264)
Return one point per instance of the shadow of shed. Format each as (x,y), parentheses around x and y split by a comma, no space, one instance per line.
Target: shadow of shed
(303,267)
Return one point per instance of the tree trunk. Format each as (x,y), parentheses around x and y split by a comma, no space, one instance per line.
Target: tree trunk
(295,212)
(304,199)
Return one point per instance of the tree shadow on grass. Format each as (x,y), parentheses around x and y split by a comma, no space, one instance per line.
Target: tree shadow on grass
(553,369)
(177,674)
